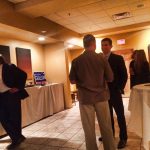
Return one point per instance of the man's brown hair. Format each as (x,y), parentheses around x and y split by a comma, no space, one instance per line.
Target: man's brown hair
(88,39)
(108,40)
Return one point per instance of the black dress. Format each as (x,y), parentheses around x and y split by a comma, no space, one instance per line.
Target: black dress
(132,77)
(140,77)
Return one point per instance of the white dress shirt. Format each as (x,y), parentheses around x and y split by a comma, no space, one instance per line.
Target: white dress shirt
(107,56)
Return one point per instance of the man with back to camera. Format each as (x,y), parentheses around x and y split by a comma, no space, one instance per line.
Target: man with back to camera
(116,88)
(12,83)
(89,72)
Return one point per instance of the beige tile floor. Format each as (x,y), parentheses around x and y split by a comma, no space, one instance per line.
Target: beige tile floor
(63,131)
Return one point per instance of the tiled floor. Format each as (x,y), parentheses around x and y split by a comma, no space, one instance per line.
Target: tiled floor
(63,131)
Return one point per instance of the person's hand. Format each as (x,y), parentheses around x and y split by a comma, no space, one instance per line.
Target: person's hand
(13,90)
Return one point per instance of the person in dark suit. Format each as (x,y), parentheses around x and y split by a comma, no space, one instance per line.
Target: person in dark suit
(116,88)
(12,83)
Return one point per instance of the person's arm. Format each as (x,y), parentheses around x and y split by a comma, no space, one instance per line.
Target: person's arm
(146,71)
(146,68)
(131,68)
(122,73)
(13,90)
(72,75)
(20,77)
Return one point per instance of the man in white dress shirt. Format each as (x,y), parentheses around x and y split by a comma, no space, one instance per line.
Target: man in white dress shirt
(12,82)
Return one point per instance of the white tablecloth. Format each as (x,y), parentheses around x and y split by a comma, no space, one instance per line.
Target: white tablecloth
(139,106)
(43,101)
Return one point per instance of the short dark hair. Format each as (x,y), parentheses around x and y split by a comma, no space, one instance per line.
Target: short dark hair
(2,60)
(108,40)
(88,39)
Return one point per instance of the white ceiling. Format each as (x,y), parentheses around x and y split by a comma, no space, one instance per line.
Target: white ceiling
(19,34)
(98,15)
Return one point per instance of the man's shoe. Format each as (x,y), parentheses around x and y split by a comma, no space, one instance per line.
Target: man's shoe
(122,144)
(100,139)
(15,144)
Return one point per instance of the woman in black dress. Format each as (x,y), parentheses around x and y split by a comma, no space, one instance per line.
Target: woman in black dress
(132,70)
(139,68)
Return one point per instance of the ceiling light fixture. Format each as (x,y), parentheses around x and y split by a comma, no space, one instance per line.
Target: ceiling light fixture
(41,38)
(70,45)
(43,31)
(121,42)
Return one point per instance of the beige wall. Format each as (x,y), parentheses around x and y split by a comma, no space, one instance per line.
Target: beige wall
(57,69)
(75,53)
(37,53)
(135,40)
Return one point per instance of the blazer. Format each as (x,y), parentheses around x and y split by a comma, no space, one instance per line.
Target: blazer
(13,77)
(120,73)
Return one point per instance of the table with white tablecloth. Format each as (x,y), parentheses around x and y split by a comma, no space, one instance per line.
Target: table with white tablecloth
(43,101)
(139,106)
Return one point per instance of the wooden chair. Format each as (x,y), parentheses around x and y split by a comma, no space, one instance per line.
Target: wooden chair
(74,97)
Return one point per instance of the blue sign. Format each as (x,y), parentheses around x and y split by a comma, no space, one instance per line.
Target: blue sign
(39,78)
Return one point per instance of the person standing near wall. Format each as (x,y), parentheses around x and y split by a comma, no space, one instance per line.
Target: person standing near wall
(140,68)
(132,69)
(116,88)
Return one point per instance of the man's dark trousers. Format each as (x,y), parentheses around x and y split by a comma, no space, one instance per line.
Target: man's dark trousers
(117,103)
(10,115)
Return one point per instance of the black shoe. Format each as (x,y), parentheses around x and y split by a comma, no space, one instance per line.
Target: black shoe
(100,139)
(122,144)
(15,144)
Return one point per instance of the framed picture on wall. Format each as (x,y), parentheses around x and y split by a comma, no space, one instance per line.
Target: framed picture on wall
(23,57)
(149,52)
(5,51)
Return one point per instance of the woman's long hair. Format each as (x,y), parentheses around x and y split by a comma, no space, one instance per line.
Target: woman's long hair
(133,54)
(140,59)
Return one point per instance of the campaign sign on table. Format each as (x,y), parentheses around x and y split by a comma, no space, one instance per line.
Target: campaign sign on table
(39,78)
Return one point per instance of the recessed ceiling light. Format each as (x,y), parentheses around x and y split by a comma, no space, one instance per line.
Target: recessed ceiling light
(43,31)
(70,45)
(41,38)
